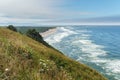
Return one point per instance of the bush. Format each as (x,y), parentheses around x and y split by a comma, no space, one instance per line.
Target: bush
(11,27)
(32,33)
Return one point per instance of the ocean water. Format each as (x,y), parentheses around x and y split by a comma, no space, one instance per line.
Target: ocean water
(96,46)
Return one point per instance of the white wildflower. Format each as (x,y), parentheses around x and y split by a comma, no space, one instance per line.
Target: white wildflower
(44,64)
(40,62)
(47,60)
(6,69)
(41,70)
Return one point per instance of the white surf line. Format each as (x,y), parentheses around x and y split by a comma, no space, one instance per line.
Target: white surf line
(59,35)
(93,51)
(49,32)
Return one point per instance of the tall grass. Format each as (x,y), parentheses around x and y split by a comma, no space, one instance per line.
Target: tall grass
(22,58)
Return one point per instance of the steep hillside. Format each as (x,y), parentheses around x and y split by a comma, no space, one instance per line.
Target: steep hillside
(22,58)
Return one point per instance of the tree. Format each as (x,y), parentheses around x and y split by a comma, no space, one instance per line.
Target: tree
(11,27)
(32,33)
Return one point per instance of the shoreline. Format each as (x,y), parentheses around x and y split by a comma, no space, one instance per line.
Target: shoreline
(48,32)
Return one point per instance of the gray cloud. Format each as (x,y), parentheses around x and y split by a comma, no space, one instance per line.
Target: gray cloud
(27,8)
(38,12)
(35,9)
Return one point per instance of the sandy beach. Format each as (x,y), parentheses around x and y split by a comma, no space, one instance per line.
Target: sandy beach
(49,32)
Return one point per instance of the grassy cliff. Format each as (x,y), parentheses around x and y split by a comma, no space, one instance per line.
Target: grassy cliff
(22,58)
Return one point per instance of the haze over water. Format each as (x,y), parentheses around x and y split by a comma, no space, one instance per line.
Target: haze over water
(96,46)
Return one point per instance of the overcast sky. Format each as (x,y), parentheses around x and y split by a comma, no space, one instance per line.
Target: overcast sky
(45,12)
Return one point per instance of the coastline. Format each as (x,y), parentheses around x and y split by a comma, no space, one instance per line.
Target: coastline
(48,32)
(53,31)
(41,55)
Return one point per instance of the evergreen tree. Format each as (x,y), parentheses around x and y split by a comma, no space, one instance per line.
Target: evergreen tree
(11,27)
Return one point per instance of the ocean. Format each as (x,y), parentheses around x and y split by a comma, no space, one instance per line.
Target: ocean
(95,46)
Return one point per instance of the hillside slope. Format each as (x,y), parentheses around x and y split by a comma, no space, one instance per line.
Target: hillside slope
(22,58)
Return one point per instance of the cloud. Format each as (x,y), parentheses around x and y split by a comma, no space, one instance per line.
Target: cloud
(38,12)
(35,9)
(27,8)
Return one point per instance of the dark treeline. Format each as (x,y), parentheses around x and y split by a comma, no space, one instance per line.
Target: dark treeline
(32,33)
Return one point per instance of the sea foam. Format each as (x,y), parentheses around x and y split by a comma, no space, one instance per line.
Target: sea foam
(83,49)
(61,33)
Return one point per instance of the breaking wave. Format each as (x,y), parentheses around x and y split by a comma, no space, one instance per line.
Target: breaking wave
(85,45)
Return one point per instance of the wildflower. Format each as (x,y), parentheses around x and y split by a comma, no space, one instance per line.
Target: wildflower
(41,70)
(61,67)
(40,59)
(44,64)
(47,60)
(40,62)
(6,69)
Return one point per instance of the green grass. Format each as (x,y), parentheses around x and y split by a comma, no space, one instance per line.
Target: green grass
(22,58)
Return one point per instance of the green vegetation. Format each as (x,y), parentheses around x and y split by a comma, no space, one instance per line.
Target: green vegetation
(11,27)
(32,33)
(22,58)
(38,29)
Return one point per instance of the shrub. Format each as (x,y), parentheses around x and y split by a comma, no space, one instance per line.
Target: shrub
(11,27)
(32,33)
